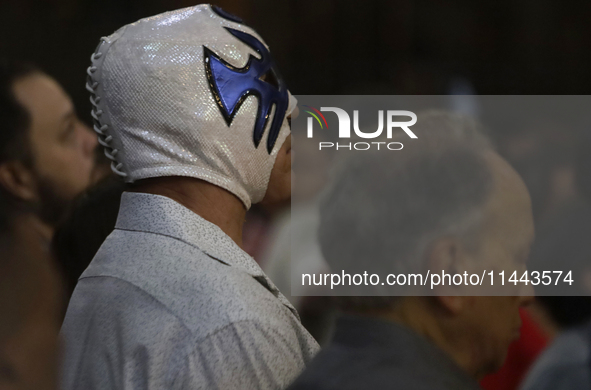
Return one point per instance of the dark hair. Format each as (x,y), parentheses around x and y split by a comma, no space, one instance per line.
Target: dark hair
(14,119)
(90,221)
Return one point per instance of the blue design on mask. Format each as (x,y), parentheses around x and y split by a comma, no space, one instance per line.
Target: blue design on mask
(259,77)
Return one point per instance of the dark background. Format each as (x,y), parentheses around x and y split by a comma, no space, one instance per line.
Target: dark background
(374,47)
(344,46)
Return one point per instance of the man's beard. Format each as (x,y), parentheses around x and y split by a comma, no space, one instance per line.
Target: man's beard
(52,205)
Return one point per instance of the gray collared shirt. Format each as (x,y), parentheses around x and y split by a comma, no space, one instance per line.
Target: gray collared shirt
(368,353)
(171,302)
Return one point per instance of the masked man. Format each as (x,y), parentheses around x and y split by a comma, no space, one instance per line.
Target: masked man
(193,112)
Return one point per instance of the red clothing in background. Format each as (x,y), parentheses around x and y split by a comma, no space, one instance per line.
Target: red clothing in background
(522,353)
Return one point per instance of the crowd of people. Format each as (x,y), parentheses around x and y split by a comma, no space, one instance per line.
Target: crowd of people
(126,259)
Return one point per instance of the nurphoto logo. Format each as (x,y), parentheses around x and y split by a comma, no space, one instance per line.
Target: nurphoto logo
(344,130)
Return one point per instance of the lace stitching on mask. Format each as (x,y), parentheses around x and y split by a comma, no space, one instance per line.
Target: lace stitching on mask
(101,129)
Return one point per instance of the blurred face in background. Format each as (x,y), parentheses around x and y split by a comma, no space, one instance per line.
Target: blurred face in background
(61,145)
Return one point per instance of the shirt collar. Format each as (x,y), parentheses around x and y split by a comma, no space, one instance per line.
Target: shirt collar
(161,215)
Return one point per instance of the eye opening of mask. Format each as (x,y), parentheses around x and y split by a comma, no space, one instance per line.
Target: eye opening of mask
(271,78)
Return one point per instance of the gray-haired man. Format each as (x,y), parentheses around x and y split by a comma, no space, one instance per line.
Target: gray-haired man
(446,201)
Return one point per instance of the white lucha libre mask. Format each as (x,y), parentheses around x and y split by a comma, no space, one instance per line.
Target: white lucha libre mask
(192,92)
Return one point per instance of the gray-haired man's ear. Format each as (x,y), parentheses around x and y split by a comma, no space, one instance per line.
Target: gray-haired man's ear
(447,255)
(452,304)
(18,180)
